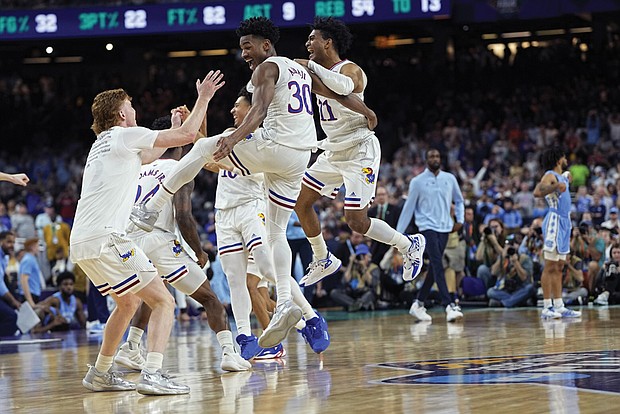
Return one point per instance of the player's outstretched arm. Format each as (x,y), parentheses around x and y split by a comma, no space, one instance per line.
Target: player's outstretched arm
(186,222)
(17,179)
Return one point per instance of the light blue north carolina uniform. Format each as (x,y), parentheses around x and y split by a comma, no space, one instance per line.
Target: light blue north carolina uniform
(557,225)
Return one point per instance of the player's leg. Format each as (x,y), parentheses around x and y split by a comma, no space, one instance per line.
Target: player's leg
(129,355)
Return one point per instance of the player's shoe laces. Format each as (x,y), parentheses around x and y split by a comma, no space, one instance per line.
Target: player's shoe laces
(568,313)
(158,383)
(412,258)
(453,313)
(320,269)
(277,351)
(315,333)
(233,362)
(249,346)
(142,217)
(130,358)
(96,380)
(285,317)
(550,313)
(419,312)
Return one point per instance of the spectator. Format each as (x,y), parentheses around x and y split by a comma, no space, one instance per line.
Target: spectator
(511,217)
(613,222)
(383,210)
(574,292)
(607,283)
(63,310)
(22,223)
(514,277)
(30,275)
(360,283)
(8,303)
(489,250)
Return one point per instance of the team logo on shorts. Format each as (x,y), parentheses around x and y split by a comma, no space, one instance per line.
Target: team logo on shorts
(370,175)
(262,217)
(593,371)
(248,137)
(126,256)
(177,249)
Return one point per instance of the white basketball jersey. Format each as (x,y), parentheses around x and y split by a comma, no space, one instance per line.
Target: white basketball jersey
(290,120)
(235,190)
(150,182)
(343,127)
(109,182)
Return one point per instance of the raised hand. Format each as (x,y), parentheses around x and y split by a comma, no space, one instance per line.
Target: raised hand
(210,84)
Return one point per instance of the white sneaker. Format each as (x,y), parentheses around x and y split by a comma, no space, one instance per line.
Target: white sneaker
(320,269)
(142,217)
(106,381)
(568,313)
(233,362)
(602,299)
(130,358)
(284,319)
(453,313)
(550,313)
(413,257)
(159,383)
(419,312)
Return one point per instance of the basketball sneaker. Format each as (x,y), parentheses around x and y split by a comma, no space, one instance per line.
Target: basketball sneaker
(142,217)
(233,362)
(158,383)
(277,351)
(96,380)
(568,313)
(129,357)
(453,313)
(320,269)
(249,346)
(550,313)
(315,333)
(413,257)
(418,311)
(285,317)
(602,299)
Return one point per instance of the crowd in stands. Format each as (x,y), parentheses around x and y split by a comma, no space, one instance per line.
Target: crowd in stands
(489,117)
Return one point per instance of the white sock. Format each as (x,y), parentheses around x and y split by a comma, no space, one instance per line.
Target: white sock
(547,303)
(319,248)
(301,324)
(558,303)
(135,337)
(104,363)
(226,340)
(381,231)
(154,361)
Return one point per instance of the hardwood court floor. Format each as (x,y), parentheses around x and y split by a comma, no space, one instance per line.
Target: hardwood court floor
(506,361)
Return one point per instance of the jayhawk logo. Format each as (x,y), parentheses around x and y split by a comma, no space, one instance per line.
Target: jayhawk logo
(177,249)
(370,175)
(262,217)
(128,255)
(248,137)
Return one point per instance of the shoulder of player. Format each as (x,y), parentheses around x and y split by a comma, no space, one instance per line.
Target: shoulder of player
(266,70)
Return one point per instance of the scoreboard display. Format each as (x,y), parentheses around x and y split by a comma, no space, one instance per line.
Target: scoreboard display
(205,16)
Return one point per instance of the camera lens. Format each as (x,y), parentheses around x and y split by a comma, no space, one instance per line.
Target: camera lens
(511,251)
(487,231)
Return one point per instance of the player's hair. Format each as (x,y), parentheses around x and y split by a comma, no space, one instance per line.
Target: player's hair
(550,157)
(163,122)
(63,276)
(259,26)
(105,109)
(247,95)
(336,30)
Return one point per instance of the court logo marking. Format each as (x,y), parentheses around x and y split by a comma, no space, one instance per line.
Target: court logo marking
(595,371)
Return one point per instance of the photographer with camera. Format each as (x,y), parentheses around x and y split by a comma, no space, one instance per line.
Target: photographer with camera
(489,250)
(514,277)
(532,245)
(360,283)
(607,283)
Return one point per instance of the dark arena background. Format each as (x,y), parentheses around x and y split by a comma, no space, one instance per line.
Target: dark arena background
(491,84)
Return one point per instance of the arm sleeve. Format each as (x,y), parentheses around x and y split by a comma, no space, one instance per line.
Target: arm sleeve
(341,84)
(459,205)
(136,139)
(408,209)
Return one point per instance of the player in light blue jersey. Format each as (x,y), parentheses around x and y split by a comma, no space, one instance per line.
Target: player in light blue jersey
(556,231)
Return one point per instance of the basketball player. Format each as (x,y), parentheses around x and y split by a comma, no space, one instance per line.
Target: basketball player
(352,155)
(175,265)
(556,232)
(280,149)
(114,263)
(241,231)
